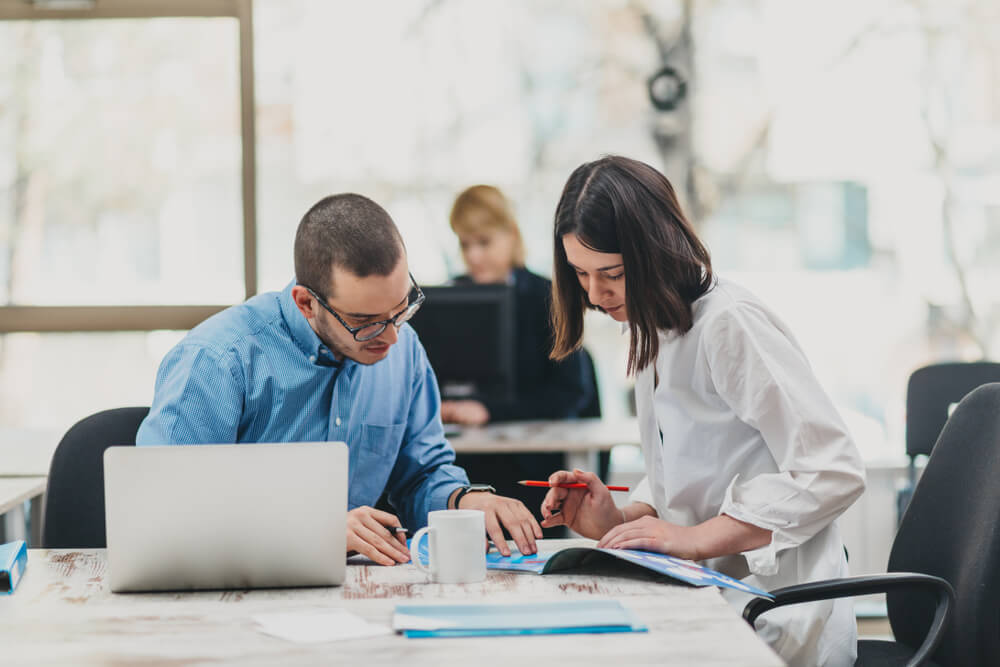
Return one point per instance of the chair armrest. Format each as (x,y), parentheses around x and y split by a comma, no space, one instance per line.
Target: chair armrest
(866,585)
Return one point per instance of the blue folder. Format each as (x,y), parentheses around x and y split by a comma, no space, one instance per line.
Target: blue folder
(13,560)
(532,618)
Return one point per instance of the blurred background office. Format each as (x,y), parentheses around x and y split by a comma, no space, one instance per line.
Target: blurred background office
(841,159)
(492,250)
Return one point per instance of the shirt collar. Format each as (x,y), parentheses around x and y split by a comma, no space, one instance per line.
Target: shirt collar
(305,338)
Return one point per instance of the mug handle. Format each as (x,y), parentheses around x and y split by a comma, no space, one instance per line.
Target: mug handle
(415,551)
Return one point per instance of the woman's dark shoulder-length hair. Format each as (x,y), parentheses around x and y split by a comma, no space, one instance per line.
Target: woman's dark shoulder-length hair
(619,205)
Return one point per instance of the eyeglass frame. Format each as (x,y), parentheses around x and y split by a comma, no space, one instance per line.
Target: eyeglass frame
(410,308)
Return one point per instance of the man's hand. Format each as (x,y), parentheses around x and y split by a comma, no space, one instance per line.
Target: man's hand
(370,533)
(502,512)
(591,512)
(466,413)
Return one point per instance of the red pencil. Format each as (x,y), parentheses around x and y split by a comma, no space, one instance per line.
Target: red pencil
(575,485)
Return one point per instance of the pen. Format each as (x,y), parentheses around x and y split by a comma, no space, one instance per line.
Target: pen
(575,485)
(399,529)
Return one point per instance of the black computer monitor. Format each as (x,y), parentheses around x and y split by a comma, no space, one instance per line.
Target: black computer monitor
(468,332)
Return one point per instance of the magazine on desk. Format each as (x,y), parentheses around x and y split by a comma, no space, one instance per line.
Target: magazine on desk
(565,561)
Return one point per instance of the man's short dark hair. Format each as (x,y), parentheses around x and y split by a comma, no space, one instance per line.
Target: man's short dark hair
(348,231)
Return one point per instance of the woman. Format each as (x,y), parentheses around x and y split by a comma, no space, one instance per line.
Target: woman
(493,252)
(747,461)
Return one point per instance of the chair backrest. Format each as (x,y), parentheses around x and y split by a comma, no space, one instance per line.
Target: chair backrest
(950,530)
(74,499)
(593,407)
(931,390)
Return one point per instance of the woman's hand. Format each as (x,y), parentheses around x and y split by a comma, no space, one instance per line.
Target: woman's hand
(719,536)
(651,534)
(590,512)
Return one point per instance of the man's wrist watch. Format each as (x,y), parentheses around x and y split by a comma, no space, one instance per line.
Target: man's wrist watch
(473,488)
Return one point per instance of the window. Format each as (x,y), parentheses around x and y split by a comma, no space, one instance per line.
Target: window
(126,193)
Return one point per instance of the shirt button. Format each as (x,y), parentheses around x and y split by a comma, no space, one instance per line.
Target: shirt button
(337,421)
(312,358)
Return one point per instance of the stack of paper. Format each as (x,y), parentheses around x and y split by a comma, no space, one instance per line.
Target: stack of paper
(469,620)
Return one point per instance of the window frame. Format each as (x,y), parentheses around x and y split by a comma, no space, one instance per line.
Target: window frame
(16,319)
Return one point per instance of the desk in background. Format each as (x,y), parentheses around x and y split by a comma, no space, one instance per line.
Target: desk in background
(14,492)
(24,467)
(63,613)
(579,439)
(27,454)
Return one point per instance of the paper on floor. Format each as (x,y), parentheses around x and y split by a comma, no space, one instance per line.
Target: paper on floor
(317,626)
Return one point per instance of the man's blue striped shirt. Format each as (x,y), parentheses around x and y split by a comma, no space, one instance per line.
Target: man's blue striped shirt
(257,372)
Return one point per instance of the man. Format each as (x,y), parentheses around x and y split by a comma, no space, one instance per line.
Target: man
(330,358)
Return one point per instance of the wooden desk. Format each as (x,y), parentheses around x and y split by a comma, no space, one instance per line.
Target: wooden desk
(62,613)
(580,439)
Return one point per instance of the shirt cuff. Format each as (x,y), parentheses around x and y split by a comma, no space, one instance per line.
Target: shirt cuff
(642,493)
(762,561)
(439,499)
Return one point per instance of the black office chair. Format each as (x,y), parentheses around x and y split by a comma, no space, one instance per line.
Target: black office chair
(593,406)
(74,499)
(943,582)
(930,392)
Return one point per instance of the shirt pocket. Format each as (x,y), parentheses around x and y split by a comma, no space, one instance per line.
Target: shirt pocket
(372,461)
(382,439)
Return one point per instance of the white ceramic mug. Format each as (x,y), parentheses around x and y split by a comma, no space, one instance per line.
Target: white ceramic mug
(456,546)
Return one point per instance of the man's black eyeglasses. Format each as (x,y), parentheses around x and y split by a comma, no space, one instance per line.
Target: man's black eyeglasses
(374,329)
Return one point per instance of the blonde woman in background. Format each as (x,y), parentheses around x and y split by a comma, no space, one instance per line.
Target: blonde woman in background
(493,252)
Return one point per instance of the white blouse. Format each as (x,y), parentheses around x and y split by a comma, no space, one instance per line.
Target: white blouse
(739,425)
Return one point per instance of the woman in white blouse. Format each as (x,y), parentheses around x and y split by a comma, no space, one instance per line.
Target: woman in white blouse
(748,463)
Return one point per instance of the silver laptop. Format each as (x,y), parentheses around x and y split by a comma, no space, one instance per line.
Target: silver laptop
(185,517)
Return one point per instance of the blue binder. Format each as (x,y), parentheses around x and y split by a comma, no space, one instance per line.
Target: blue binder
(13,560)
(531,618)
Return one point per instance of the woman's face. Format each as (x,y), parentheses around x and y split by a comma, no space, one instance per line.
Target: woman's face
(601,275)
(488,255)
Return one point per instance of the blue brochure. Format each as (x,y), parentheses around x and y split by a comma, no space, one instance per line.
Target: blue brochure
(532,618)
(13,560)
(566,561)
